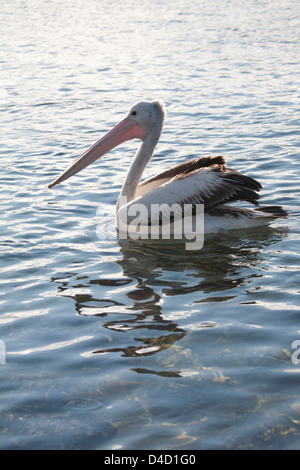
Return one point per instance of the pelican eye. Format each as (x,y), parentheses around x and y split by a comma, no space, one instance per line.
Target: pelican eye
(134,113)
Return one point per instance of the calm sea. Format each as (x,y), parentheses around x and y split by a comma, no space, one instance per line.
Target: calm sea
(109,344)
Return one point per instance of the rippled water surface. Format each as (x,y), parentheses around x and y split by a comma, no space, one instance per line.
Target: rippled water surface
(119,345)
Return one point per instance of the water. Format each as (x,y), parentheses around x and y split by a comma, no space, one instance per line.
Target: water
(117,345)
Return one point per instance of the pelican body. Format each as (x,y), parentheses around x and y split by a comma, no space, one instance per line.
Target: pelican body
(205,180)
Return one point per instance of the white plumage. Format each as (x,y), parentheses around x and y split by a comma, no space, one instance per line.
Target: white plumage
(203,180)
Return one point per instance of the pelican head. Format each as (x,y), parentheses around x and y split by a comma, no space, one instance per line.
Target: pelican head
(149,115)
(145,119)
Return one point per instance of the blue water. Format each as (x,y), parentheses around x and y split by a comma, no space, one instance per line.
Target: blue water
(112,344)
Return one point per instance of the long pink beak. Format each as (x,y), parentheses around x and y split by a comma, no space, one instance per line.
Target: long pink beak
(125,130)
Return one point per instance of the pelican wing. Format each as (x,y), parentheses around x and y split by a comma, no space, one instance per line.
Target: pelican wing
(181,169)
(209,184)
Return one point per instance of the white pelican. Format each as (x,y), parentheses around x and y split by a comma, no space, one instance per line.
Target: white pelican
(204,180)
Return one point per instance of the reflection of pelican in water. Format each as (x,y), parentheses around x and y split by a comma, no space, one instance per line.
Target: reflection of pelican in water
(216,270)
(151,276)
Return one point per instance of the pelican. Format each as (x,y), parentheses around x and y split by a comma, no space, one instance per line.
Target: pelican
(205,180)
